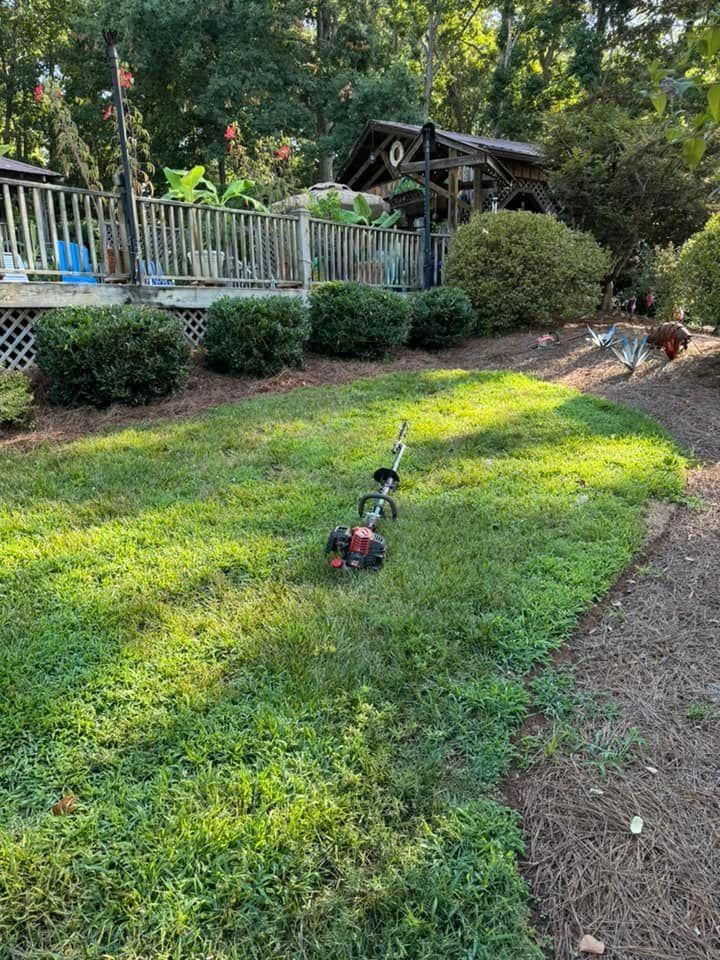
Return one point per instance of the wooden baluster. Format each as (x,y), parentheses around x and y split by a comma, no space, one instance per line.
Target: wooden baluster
(185,265)
(102,232)
(173,241)
(40,226)
(90,227)
(50,205)
(25,226)
(10,221)
(65,229)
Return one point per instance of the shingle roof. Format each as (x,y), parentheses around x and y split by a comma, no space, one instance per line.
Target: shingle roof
(13,168)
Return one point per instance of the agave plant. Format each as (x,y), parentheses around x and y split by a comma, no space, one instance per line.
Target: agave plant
(602,340)
(632,353)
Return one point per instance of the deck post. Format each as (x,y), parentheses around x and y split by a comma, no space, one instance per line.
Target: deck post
(303,228)
(126,187)
(428,135)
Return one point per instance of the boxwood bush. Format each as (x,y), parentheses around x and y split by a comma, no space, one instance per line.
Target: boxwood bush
(256,336)
(440,317)
(356,320)
(15,397)
(104,355)
(695,286)
(520,268)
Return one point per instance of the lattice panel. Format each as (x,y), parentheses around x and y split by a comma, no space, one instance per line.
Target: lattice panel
(17,341)
(193,321)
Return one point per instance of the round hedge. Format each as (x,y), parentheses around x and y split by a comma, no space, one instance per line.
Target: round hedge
(356,320)
(104,355)
(520,268)
(441,317)
(256,336)
(695,283)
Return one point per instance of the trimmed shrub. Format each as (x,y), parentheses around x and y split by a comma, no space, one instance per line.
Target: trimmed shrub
(356,320)
(520,268)
(695,284)
(15,397)
(256,336)
(440,317)
(104,355)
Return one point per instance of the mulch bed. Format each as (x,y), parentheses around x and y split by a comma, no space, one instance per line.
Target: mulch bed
(652,645)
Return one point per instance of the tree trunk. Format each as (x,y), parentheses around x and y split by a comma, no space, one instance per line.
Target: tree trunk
(429,64)
(606,304)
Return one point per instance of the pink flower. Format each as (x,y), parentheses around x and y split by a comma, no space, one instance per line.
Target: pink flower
(126,79)
(38,93)
(231,132)
(283,152)
(107,112)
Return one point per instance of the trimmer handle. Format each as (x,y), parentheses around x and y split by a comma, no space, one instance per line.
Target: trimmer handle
(377,496)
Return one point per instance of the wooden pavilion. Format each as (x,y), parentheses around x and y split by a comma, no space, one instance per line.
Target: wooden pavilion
(466,172)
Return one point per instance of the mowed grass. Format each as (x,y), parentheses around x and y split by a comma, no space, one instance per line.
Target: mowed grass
(272,761)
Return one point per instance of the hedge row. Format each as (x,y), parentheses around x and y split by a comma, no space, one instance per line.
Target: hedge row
(505,270)
(104,355)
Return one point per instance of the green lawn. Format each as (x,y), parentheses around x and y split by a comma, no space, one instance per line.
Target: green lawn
(271,761)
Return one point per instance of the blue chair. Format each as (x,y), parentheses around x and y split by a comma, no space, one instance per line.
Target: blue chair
(154,275)
(76,260)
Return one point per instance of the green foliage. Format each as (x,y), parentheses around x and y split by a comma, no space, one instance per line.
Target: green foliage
(16,397)
(357,320)
(271,761)
(441,317)
(613,175)
(257,336)
(327,207)
(521,268)
(191,186)
(696,279)
(104,355)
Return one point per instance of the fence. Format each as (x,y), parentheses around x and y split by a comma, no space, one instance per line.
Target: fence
(50,232)
(80,237)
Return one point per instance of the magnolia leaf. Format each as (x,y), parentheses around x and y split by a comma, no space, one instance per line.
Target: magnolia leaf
(713,98)
(636,825)
(693,151)
(700,120)
(656,72)
(659,101)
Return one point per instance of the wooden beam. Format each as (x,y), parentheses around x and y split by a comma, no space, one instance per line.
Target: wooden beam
(440,191)
(477,197)
(445,163)
(370,160)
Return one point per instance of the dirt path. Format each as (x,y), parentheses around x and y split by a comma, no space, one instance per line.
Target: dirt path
(653,645)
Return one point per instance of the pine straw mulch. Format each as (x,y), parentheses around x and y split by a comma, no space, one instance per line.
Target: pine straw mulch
(652,646)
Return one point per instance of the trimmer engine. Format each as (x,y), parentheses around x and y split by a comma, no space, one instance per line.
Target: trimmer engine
(362,547)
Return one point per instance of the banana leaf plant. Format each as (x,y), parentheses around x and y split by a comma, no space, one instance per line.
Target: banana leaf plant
(361,215)
(191,186)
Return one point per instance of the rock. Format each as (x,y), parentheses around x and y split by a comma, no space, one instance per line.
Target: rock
(589,944)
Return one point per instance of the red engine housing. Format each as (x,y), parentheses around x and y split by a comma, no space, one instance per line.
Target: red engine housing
(361,541)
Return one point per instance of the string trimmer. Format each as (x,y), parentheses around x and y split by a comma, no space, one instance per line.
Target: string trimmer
(362,547)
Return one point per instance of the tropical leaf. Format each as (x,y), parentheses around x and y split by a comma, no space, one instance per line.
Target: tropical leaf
(659,101)
(713,98)
(693,151)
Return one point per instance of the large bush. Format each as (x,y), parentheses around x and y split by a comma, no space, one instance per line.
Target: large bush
(521,268)
(103,355)
(440,317)
(356,320)
(696,279)
(256,336)
(15,397)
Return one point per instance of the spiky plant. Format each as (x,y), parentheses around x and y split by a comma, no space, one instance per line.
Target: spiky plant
(632,353)
(602,340)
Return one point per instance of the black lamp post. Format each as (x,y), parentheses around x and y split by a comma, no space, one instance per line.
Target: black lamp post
(428,135)
(110,38)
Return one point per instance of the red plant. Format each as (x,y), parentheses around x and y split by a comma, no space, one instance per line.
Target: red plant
(126,79)
(231,132)
(38,93)
(284,151)
(107,112)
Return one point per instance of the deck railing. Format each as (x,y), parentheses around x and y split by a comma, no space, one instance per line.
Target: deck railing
(210,245)
(50,232)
